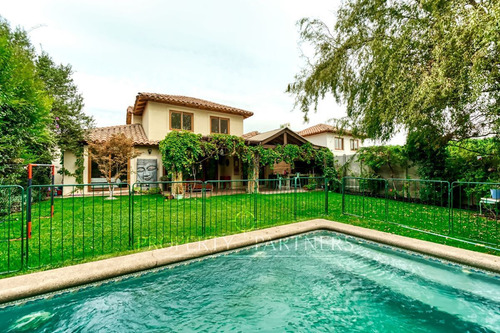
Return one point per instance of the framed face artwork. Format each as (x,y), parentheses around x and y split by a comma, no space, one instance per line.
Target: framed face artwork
(147,171)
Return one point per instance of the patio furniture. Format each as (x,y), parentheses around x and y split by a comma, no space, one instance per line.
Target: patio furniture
(225,185)
(487,201)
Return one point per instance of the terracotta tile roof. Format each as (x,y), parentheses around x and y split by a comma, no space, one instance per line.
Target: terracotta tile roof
(320,128)
(143,97)
(249,134)
(134,131)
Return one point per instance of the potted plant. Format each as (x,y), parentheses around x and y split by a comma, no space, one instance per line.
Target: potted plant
(311,186)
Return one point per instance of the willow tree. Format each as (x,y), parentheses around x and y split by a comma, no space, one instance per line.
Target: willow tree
(430,66)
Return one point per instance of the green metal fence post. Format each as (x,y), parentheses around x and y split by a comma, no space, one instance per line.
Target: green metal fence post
(131,216)
(203,207)
(450,206)
(28,221)
(295,199)
(343,194)
(386,200)
(23,253)
(255,190)
(326,196)
(363,195)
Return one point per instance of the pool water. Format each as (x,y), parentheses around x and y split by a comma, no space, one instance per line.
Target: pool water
(320,281)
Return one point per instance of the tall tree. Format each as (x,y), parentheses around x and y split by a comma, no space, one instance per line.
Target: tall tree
(69,122)
(24,107)
(420,65)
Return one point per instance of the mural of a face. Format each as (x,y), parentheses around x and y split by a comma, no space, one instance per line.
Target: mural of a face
(147,170)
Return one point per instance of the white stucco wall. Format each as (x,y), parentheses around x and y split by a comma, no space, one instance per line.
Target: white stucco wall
(69,164)
(156,120)
(328,140)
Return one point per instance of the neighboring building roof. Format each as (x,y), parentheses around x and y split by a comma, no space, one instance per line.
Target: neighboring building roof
(250,134)
(321,128)
(134,132)
(260,137)
(143,97)
(280,136)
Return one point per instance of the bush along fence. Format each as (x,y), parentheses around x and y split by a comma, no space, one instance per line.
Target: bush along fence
(43,225)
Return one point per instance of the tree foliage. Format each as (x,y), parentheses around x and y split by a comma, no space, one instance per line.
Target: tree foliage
(376,157)
(180,151)
(24,106)
(474,160)
(40,108)
(112,157)
(69,122)
(421,65)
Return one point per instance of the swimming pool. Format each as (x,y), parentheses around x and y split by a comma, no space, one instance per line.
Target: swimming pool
(320,281)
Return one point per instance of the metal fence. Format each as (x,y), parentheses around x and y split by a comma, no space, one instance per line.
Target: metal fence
(12,224)
(475,214)
(59,224)
(463,210)
(84,222)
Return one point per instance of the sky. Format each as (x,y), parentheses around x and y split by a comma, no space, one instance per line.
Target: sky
(239,53)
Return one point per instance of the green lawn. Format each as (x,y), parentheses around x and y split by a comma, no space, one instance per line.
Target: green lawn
(464,224)
(83,229)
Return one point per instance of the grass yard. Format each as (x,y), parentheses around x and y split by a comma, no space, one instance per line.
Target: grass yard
(466,224)
(86,228)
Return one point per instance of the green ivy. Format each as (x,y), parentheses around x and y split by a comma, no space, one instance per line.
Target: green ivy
(180,151)
(183,152)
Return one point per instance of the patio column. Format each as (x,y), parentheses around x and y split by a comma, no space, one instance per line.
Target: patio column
(252,175)
(177,188)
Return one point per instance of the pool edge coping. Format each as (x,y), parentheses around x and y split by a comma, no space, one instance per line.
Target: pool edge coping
(34,284)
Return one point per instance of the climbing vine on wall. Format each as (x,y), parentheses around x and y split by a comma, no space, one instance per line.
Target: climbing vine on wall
(183,152)
(79,164)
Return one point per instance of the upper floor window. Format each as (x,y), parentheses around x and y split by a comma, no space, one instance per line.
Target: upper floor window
(181,121)
(354,144)
(339,144)
(219,125)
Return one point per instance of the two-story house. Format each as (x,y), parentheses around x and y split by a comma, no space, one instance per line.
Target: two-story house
(328,136)
(149,121)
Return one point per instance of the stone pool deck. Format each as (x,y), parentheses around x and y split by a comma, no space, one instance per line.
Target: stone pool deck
(23,286)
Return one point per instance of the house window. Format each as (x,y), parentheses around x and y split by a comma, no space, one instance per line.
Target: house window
(219,125)
(96,177)
(181,121)
(339,144)
(354,144)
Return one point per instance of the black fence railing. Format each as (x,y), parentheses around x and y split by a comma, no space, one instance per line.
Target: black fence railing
(62,224)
